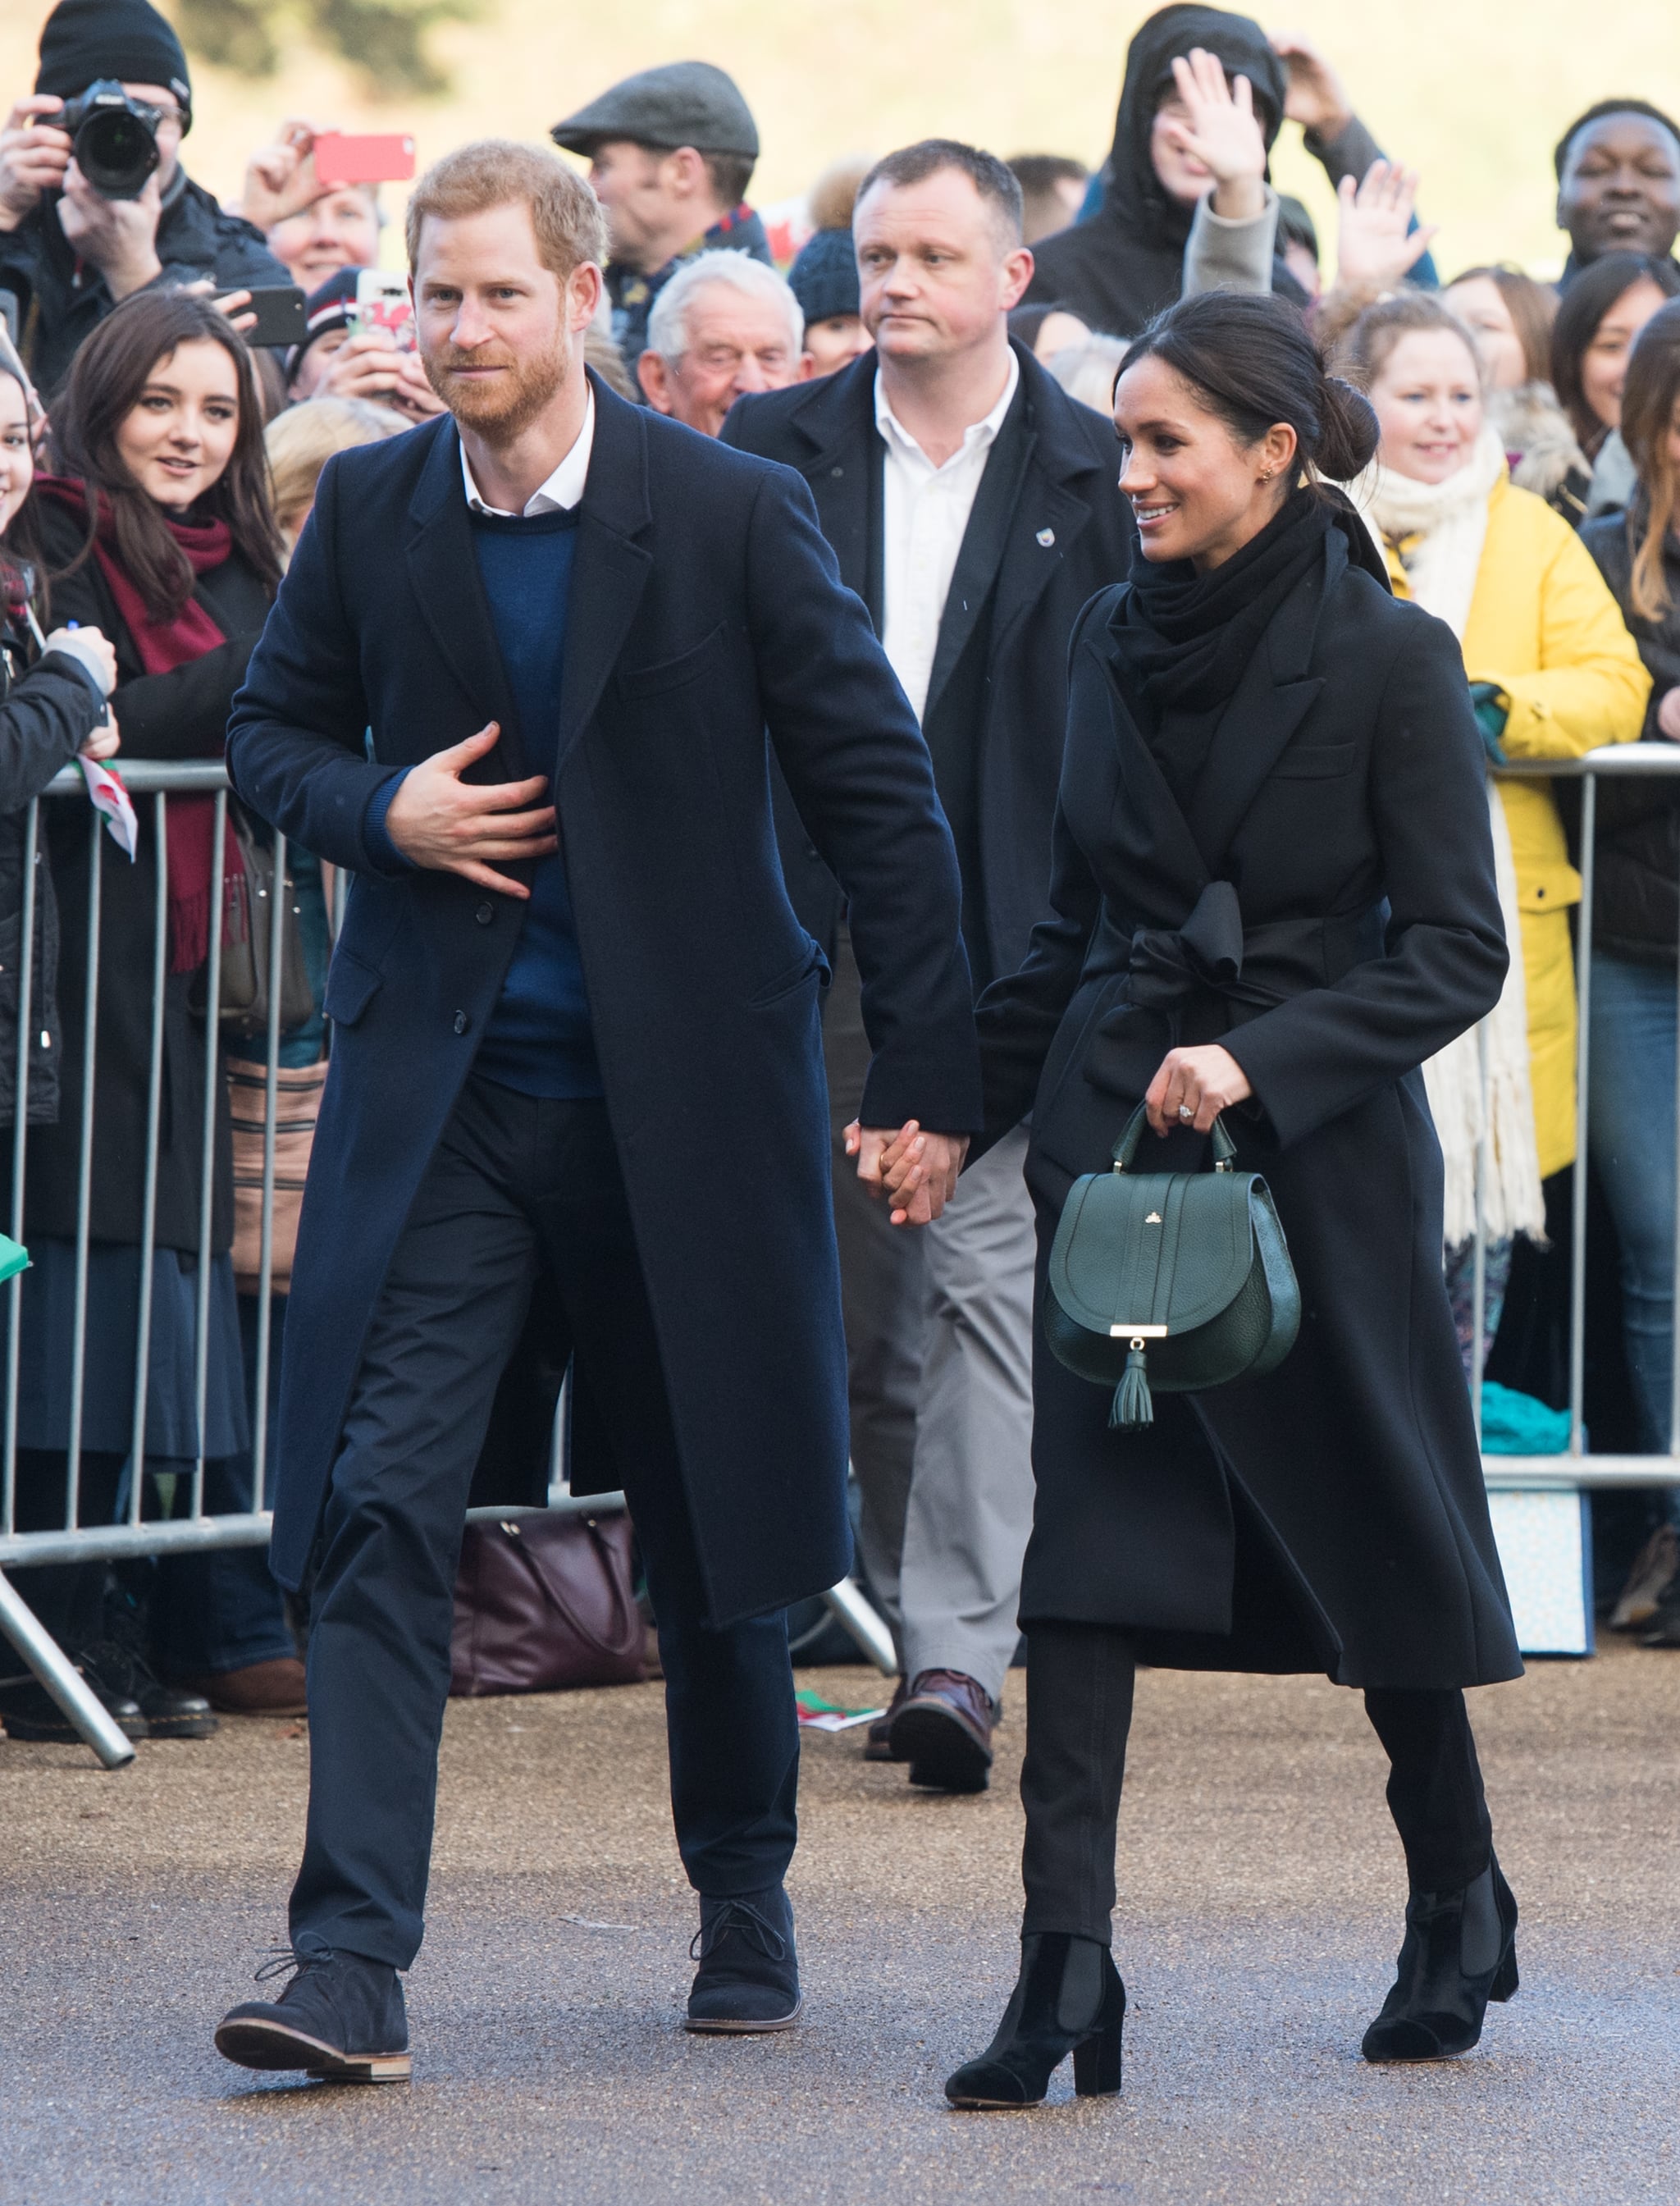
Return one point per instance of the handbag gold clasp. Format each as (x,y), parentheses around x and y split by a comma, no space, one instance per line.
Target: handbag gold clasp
(1137,1332)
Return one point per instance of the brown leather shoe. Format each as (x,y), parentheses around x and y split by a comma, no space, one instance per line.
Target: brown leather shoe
(943,1731)
(878,1743)
(274,1688)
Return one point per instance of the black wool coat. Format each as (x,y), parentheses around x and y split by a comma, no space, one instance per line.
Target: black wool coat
(1636,868)
(1038,546)
(182,715)
(705,610)
(1326,906)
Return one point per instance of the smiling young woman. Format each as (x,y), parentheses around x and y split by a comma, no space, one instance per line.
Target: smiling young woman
(1273,897)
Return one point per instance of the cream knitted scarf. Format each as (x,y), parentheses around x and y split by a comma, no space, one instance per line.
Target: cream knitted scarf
(1438,530)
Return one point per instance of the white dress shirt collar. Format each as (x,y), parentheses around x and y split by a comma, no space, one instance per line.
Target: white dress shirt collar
(978,436)
(562,490)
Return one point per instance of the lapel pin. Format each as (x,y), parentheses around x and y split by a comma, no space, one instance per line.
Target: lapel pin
(1046,537)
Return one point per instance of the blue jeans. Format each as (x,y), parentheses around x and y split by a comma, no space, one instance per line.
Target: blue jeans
(1631,1135)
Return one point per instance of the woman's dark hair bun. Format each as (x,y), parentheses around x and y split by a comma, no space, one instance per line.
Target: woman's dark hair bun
(1254,363)
(1349,435)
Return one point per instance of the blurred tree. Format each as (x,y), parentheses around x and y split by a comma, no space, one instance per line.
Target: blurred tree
(386,39)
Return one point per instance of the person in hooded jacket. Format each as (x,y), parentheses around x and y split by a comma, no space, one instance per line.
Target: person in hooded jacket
(1125,261)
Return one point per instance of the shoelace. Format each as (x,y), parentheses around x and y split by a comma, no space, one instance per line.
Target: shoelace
(288,1962)
(738,1918)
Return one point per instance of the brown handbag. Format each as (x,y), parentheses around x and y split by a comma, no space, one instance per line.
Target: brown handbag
(297,1104)
(545,1603)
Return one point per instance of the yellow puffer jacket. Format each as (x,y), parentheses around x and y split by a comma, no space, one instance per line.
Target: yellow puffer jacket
(1544,628)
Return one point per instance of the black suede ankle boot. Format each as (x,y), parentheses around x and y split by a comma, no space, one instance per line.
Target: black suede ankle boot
(1460,1952)
(1068,1999)
(341,2018)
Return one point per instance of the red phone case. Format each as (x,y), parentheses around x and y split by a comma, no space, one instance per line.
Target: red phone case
(364,158)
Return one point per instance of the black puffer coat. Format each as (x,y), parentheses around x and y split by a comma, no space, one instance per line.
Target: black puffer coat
(1636,897)
(48,709)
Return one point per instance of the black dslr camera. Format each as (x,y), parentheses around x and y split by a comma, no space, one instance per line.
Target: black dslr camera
(115,138)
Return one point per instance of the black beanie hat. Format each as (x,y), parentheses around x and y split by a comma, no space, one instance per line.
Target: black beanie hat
(823,278)
(83,40)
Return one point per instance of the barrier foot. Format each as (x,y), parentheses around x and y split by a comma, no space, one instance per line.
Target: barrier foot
(41,1651)
(861,1619)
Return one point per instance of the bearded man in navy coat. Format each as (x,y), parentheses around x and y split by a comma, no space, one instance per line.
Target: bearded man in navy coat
(523,681)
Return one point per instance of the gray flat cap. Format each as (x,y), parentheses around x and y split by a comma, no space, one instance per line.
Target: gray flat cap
(683,104)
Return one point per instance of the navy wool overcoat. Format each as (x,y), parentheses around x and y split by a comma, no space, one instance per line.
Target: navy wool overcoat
(705,609)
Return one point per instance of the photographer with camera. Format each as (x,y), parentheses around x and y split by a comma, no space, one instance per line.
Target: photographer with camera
(94,203)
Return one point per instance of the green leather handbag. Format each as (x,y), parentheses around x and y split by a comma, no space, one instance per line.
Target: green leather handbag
(1181,1280)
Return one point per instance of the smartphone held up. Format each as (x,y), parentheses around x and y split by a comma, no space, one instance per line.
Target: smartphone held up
(383,304)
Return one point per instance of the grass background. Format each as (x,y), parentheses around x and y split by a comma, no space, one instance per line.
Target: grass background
(1474,93)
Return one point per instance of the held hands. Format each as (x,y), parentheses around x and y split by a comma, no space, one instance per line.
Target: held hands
(1193,1087)
(1221,133)
(449,826)
(1376,245)
(915,1172)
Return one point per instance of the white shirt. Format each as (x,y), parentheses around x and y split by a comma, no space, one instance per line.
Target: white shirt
(924,511)
(562,490)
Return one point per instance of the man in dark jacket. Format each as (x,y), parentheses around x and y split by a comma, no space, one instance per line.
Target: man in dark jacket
(1619,183)
(672,151)
(975,509)
(68,253)
(577,1037)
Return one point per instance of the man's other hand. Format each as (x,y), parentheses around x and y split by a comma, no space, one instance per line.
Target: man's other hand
(119,237)
(913,1172)
(34,154)
(449,826)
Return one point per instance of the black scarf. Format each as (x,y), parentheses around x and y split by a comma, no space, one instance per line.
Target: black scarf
(1184,639)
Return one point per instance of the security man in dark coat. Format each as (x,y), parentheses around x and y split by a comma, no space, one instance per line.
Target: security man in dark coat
(549,1028)
(973,507)
(69,254)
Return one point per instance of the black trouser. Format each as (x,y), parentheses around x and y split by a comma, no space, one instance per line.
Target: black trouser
(517,1182)
(1079,1711)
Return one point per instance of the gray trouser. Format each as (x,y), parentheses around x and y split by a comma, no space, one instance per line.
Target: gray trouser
(939,1339)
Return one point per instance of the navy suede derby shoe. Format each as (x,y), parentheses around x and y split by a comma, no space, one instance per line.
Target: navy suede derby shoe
(339,2018)
(748,1975)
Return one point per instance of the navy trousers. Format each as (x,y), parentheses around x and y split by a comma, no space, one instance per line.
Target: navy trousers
(517,1183)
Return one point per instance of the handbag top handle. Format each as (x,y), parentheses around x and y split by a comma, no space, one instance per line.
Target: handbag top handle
(1125,1149)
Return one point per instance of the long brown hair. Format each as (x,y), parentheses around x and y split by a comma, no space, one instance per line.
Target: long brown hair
(109,373)
(1648,404)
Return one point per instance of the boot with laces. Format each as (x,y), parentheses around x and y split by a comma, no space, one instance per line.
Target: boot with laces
(341,2018)
(748,1975)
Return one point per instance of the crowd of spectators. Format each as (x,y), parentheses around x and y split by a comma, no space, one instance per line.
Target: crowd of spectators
(156,470)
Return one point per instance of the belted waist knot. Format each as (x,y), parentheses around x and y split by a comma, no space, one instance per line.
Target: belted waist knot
(1257,967)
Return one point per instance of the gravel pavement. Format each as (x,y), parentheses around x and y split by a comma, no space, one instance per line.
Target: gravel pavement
(1261,1890)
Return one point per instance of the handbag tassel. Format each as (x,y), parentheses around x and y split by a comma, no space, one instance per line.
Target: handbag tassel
(1134,1405)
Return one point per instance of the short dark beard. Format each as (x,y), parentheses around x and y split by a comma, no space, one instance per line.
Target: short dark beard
(501,417)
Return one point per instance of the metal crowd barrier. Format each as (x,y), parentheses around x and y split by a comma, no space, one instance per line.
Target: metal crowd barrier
(197,1530)
(151,784)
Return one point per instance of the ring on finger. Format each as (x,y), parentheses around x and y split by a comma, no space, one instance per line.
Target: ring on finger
(1185,1111)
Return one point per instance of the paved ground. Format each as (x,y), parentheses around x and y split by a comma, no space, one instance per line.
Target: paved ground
(1262,1895)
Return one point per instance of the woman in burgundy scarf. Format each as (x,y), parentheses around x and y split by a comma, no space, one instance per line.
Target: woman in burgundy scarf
(156,528)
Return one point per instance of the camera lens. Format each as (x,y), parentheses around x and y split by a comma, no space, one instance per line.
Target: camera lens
(117,150)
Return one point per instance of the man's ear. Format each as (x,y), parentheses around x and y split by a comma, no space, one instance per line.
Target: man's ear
(654,377)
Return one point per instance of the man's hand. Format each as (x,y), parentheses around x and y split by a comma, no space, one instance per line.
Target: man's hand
(280,179)
(119,237)
(449,826)
(33,157)
(1316,97)
(1376,246)
(915,1172)
(1222,133)
(1193,1087)
(368,365)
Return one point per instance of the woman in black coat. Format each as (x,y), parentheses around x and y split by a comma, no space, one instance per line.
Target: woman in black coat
(1274,895)
(157,530)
